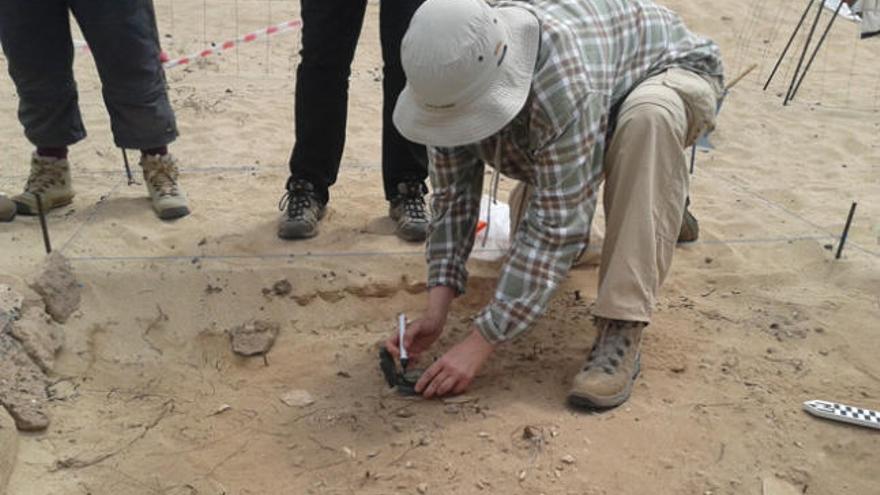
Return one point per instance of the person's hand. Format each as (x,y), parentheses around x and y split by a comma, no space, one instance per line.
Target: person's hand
(453,373)
(419,337)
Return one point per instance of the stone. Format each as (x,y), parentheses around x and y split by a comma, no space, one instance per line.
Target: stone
(8,448)
(22,386)
(58,287)
(254,338)
(422,488)
(282,288)
(40,337)
(568,459)
(771,485)
(297,398)
(10,306)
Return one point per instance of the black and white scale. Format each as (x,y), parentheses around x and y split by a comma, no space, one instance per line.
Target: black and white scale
(843,413)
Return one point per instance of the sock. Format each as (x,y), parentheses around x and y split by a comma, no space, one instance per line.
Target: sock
(160,151)
(60,153)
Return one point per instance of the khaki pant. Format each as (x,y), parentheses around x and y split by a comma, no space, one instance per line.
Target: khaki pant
(646,184)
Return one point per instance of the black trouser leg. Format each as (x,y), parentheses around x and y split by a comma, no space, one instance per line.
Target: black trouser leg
(402,160)
(329,37)
(123,39)
(36,40)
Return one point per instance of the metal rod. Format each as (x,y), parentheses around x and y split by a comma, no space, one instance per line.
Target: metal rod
(849,219)
(127,166)
(693,157)
(788,45)
(816,50)
(43,225)
(807,44)
(401,329)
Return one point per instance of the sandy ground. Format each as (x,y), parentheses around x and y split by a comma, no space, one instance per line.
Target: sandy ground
(755,319)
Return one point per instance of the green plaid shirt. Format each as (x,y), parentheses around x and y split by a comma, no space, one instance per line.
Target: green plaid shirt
(593,52)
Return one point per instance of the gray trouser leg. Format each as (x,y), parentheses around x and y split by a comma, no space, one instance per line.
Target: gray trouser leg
(36,40)
(123,39)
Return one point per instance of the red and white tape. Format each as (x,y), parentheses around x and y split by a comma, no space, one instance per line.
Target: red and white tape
(217,48)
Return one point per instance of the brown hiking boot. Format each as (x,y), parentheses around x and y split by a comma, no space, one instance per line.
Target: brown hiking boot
(7,209)
(161,176)
(50,178)
(612,366)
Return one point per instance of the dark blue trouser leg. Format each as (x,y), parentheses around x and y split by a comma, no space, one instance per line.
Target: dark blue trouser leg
(36,40)
(125,44)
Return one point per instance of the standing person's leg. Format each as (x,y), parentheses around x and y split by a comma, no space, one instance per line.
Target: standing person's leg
(124,41)
(645,190)
(404,164)
(330,33)
(39,52)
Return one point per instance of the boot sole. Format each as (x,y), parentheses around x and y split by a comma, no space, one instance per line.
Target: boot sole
(598,402)
(173,213)
(23,209)
(293,235)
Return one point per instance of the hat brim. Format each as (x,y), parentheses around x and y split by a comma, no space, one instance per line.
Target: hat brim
(491,111)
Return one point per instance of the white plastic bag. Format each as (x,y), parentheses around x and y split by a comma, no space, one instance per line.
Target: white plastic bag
(492,240)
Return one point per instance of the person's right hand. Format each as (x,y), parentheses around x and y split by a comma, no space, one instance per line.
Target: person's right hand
(419,337)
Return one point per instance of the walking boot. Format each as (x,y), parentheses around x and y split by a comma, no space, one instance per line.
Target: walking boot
(302,211)
(50,179)
(611,369)
(160,175)
(7,209)
(408,209)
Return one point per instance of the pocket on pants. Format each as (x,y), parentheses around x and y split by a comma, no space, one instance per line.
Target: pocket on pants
(700,99)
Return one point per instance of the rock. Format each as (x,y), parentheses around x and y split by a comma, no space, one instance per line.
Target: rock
(772,485)
(8,448)
(422,488)
(297,398)
(10,305)
(568,459)
(282,288)
(255,338)
(58,287)
(22,386)
(39,336)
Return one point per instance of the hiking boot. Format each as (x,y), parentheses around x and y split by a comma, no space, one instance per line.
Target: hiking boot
(302,209)
(50,178)
(690,229)
(612,366)
(160,175)
(408,209)
(7,209)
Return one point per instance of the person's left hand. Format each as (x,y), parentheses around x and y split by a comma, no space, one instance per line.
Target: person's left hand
(453,373)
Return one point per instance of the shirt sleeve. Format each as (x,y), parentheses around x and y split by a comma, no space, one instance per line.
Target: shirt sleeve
(556,226)
(457,183)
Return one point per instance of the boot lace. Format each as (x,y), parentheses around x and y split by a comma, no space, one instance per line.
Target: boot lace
(611,346)
(43,177)
(413,201)
(297,199)
(162,176)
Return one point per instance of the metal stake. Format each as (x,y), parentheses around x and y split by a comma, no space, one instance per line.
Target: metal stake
(816,51)
(43,224)
(788,45)
(693,157)
(849,219)
(807,44)
(127,167)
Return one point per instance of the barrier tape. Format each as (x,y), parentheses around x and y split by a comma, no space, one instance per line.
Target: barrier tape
(217,48)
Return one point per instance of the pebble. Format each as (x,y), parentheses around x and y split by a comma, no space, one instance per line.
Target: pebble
(568,459)
(297,398)
(254,338)
(422,488)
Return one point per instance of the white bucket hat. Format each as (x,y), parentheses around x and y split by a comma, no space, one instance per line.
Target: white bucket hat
(469,69)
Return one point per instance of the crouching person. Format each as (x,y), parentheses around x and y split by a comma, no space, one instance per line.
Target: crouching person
(562,96)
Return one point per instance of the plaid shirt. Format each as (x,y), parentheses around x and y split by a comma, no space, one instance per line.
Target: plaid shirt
(592,53)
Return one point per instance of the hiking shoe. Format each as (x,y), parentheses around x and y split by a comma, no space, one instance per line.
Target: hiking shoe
(408,209)
(612,366)
(302,210)
(160,175)
(50,178)
(690,228)
(7,209)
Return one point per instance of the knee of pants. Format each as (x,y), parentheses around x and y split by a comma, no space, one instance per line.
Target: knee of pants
(652,118)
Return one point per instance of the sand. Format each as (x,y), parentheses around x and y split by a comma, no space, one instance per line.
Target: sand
(148,397)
